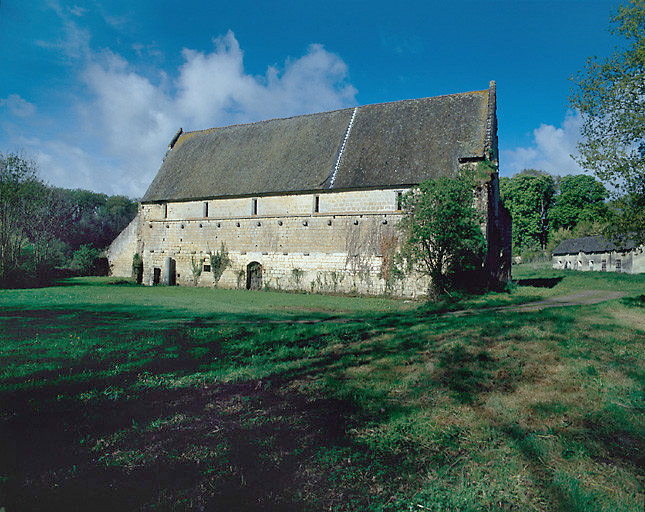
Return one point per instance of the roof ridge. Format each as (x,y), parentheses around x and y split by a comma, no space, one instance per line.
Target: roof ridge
(267,120)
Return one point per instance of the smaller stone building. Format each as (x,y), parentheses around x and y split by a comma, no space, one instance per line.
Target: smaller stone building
(599,254)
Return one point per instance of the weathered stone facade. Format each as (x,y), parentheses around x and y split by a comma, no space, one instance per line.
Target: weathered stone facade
(596,254)
(323,238)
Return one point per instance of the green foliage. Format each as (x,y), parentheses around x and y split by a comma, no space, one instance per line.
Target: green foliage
(441,231)
(581,198)
(485,169)
(219,261)
(296,277)
(137,268)
(196,267)
(84,260)
(610,96)
(306,402)
(25,244)
(41,226)
(529,196)
(239,277)
(557,236)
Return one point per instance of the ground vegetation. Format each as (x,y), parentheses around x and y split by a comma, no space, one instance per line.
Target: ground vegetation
(141,398)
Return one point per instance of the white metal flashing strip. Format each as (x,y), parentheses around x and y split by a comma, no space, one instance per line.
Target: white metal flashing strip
(342,148)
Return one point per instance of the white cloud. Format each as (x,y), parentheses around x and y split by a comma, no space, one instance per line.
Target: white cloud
(550,150)
(18,106)
(136,117)
(73,42)
(131,116)
(78,10)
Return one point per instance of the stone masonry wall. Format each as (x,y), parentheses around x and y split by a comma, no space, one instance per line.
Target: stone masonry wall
(346,246)
(121,250)
(631,262)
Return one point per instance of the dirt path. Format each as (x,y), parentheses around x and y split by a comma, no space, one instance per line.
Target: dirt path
(582,298)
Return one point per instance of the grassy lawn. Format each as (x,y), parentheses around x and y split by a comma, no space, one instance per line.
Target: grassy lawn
(118,397)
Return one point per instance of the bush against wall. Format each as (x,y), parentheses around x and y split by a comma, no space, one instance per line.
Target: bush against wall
(441,231)
(196,267)
(137,268)
(219,261)
(85,260)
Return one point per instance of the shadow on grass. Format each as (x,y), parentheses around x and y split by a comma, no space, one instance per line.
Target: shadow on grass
(544,282)
(91,435)
(243,446)
(111,430)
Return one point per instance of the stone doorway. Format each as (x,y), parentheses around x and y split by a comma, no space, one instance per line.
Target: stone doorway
(254,276)
(156,276)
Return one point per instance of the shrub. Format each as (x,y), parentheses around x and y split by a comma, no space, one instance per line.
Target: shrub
(85,259)
(219,261)
(137,268)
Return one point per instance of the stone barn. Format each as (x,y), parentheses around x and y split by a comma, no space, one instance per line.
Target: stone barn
(599,254)
(311,202)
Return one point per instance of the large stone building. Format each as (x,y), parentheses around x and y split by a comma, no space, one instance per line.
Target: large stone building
(597,253)
(311,202)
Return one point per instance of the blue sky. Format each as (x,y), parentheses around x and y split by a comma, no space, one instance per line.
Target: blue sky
(94,90)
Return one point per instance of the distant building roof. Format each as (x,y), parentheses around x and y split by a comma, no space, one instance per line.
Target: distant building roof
(389,144)
(590,244)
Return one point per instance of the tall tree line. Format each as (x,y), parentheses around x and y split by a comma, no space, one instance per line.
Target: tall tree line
(43,227)
(547,209)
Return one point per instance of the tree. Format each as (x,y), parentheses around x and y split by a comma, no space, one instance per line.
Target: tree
(581,198)
(85,260)
(529,196)
(610,96)
(19,185)
(442,233)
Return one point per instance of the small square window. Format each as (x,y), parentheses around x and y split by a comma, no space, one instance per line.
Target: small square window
(207,268)
(399,201)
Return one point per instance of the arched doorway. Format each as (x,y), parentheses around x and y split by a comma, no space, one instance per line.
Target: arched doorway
(254,276)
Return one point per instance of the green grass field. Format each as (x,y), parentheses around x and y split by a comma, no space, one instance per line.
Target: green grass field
(119,397)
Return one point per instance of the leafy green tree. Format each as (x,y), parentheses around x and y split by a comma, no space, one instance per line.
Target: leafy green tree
(581,198)
(442,233)
(529,196)
(19,186)
(85,260)
(41,226)
(610,96)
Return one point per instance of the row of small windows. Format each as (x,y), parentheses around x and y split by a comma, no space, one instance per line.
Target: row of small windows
(315,208)
(579,265)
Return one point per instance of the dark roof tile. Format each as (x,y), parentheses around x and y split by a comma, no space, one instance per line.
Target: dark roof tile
(589,244)
(390,144)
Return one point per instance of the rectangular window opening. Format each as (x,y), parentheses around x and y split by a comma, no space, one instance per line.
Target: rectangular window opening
(316,204)
(205,209)
(254,206)
(165,210)
(399,201)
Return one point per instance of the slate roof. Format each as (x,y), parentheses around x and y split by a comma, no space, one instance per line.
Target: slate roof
(590,244)
(390,144)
